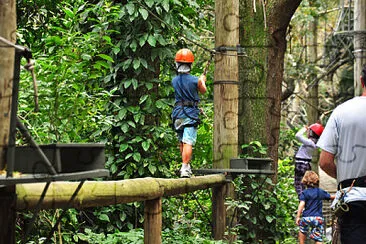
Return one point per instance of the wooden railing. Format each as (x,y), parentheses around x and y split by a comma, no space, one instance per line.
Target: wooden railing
(105,193)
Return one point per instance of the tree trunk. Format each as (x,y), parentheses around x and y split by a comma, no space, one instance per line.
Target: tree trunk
(312,100)
(278,22)
(7,31)
(252,73)
(263,27)
(359,42)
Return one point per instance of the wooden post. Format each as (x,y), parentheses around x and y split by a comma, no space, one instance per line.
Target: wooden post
(7,193)
(226,100)
(226,85)
(218,212)
(7,31)
(359,42)
(7,214)
(153,221)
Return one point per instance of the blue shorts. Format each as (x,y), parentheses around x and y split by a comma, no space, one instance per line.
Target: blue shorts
(312,227)
(186,134)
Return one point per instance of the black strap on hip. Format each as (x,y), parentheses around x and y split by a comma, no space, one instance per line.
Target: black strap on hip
(360,182)
(303,159)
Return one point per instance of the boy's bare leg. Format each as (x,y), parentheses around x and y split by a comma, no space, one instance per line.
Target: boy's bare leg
(186,153)
(302,238)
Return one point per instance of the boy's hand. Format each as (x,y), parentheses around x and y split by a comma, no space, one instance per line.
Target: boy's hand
(298,221)
(202,78)
(202,84)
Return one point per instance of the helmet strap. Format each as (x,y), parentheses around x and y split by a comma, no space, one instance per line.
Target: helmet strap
(180,67)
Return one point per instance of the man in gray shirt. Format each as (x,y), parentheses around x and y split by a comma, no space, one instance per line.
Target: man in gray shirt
(343,157)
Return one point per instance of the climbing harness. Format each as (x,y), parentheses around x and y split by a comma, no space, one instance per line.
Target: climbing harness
(342,207)
(184,104)
(176,121)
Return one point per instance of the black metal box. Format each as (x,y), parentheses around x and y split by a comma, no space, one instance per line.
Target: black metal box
(251,163)
(65,158)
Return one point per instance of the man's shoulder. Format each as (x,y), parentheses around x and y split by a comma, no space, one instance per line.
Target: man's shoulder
(351,102)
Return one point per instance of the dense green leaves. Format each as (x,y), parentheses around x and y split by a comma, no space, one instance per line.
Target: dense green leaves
(104,71)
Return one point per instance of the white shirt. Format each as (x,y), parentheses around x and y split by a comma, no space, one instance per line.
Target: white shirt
(345,137)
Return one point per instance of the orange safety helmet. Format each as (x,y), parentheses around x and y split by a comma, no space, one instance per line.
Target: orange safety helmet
(317,128)
(184,56)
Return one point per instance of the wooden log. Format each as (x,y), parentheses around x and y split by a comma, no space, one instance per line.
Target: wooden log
(105,193)
(153,221)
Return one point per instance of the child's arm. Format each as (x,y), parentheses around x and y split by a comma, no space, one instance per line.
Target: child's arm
(332,197)
(299,211)
(202,84)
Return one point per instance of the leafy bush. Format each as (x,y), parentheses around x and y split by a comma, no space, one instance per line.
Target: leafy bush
(261,205)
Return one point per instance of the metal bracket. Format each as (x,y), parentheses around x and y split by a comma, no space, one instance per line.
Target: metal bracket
(224,49)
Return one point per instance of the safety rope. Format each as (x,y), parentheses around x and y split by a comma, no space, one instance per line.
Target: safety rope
(29,226)
(64,212)
(254,194)
(30,67)
(202,209)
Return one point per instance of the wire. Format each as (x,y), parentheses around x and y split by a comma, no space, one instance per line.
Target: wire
(64,211)
(10,44)
(204,212)
(172,28)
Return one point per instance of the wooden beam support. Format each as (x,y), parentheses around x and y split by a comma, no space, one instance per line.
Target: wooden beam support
(153,221)
(8,214)
(218,212)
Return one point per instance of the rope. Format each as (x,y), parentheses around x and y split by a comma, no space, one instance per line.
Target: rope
(63,212)
(251,200)
(12,45)
(204,212)
(36,212)
(30,67)
(172,28)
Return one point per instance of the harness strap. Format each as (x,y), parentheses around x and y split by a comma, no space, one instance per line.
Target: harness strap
(186,104)
(360,182)
(303,159)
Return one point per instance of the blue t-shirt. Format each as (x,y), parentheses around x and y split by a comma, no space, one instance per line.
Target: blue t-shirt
(313,201)
(185,89)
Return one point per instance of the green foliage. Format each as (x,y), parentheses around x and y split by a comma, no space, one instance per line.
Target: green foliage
(253,148)
(261,205)
(103,72)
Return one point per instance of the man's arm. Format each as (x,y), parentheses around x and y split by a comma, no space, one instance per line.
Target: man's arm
(202,84)
(326,163)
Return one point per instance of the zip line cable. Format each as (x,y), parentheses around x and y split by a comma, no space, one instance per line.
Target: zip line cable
(172,28)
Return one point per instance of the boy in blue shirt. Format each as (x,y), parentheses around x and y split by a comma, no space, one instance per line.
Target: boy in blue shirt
(310,210)
(185,114)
